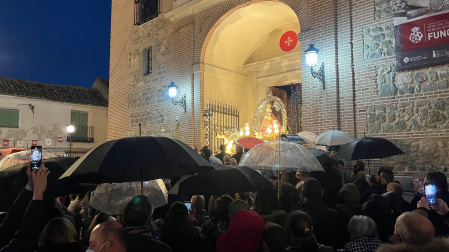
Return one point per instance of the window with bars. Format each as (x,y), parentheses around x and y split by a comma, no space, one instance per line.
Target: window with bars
(9,118)
(148,61)
(145,10)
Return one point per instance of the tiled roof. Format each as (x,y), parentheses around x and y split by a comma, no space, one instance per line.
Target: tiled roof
(60,93)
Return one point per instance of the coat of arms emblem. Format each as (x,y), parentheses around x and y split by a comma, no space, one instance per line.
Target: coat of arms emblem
(416,35)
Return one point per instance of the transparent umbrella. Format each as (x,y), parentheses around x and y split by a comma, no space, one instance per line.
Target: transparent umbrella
(281,156)
(309,137)
(22,157)
(111,198)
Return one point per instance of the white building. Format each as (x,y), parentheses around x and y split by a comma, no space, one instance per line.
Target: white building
(38,112)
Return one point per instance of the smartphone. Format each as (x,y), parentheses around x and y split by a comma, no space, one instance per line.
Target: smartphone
(188,205)
(36,157)
(431,194)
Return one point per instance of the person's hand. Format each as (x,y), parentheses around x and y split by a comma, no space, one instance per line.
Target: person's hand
(39,177)
(441,207)
(30,180)
(423,203)
(191,215)
(221,226)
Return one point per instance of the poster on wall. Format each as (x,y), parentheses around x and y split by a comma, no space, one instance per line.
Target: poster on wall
(421,33)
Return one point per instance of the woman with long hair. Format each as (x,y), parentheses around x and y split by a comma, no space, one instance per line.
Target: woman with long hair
(178,232)
(59,235)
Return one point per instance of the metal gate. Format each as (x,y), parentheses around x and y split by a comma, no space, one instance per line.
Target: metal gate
(219,118)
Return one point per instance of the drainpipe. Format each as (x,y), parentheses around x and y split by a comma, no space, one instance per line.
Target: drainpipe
(337,70)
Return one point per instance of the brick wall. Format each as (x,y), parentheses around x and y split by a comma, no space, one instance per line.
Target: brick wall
(354,39)
(122,22)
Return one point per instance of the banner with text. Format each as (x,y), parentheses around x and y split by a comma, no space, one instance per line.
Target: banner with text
(421,33)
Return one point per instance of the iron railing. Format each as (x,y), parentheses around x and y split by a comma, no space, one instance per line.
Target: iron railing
(145,10)
(82,134)
(219,118)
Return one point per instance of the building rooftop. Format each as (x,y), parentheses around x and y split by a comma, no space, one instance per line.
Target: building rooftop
(59,93)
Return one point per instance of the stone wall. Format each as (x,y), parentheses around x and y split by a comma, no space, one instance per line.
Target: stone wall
(421,156)
(410,116)
(378,41)
(384,8)
(391,83)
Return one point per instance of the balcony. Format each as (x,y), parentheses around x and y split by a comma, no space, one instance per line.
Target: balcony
(82,134)
(145,10)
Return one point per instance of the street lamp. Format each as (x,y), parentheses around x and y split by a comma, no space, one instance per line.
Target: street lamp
(70,129)
(172,92)
(311,61)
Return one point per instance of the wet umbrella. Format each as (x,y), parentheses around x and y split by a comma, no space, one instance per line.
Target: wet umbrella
(225,180)
(14,178)
(249,142)
(332,138)
(141,158)
(295,138)
(309,137)
(368,148)
(322,156)
(22,157)
(111,198)
(281,155)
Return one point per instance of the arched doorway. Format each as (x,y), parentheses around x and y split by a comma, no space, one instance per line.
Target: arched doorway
(241,58)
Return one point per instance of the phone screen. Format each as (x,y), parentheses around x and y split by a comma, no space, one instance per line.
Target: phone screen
(36,157)
(189,206)
(431,194)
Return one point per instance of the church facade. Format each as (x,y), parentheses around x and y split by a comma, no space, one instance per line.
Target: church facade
(227,56)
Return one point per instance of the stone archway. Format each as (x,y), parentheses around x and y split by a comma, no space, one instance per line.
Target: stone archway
(243,43)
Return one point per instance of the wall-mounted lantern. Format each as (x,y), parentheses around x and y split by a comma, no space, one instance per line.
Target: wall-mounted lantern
(311,61)
(172,92)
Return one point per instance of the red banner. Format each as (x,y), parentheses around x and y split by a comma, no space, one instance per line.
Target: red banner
(426,32)
(421,31)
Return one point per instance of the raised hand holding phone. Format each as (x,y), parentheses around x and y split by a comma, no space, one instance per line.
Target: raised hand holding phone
(431,194)
(39,177)
(36,157)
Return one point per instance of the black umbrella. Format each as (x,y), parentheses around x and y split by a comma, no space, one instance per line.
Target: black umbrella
(224,180)
(321,155)
(14,178)
(368,148)
(139,158)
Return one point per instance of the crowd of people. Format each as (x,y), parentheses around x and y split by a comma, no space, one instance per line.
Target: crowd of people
(302,212)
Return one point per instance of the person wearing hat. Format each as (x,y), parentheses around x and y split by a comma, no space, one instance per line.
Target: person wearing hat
(244,233)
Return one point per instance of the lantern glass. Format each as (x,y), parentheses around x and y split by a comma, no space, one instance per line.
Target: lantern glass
(172,90)
(311,58)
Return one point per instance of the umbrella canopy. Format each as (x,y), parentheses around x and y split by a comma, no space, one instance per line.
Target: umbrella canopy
(332,138)
(111,198)
(22,157)
(6,151)
(225,180)
(14,177)
(281,155)
(368,148)
(249,142)
(295,138)
(321,155)
(309,137)
(141,158)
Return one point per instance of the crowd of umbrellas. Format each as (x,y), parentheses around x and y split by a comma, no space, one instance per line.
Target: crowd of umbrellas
(120,169)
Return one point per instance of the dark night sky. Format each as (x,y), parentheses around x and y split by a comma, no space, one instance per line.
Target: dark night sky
(58,42)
